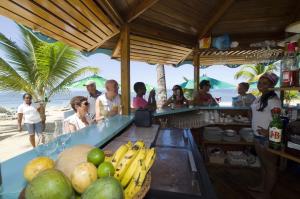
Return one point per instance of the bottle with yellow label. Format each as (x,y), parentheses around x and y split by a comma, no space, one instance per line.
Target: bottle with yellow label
(275,130)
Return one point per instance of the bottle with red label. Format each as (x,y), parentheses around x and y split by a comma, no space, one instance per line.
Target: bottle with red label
(275,130)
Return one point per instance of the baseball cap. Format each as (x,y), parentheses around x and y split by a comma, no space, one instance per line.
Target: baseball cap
(90,82)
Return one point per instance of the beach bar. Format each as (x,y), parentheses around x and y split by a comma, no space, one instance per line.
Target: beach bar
(169,33)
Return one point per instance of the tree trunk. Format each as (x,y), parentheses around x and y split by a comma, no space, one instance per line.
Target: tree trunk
(43,116)
(161,84)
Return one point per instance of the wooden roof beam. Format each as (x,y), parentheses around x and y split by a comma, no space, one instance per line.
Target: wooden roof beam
(111,11)
(139,9)
(218,13)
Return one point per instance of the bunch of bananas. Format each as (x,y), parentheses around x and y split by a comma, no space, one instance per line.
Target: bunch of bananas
(132,163)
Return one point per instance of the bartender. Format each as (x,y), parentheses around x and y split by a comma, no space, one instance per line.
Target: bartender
(261,118)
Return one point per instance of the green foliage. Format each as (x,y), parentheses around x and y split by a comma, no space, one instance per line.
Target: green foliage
(39,68)
(253,72)
(290,95)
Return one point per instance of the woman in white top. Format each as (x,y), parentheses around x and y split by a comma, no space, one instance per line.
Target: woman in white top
(80,118)
(108,104)
(261,118)
(32,119)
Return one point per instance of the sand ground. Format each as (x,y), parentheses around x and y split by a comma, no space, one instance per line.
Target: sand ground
(13,142)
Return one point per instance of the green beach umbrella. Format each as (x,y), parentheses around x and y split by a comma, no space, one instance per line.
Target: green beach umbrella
(215,84)
(100,82)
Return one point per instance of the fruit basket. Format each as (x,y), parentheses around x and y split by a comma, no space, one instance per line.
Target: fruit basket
(139,195)
(146,184)
(130,165)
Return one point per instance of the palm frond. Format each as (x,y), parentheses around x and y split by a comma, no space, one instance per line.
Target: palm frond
(271,68)
(245,74)
(15,55)
(71,78)
(11,80)
(185,79)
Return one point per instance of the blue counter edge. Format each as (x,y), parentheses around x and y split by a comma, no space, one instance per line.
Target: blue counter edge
(12,169)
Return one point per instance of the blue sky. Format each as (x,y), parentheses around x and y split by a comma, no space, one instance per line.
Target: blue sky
(110,69)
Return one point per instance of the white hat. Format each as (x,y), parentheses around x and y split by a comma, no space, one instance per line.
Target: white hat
(90,82)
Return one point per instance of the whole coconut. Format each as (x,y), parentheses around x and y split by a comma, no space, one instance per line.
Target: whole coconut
(49,184)
(71,157)
(104,188)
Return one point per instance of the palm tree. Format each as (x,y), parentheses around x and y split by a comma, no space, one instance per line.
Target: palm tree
(161,85)
(253,72)
(38,68)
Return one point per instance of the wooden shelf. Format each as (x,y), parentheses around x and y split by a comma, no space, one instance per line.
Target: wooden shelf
(285,155)
(285,89)
(227,165)
(228,143)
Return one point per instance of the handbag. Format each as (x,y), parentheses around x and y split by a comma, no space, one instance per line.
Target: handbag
(143,118)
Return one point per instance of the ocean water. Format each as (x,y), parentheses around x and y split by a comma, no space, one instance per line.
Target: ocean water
(11,100)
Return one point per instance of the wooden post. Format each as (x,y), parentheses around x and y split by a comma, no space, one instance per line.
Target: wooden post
(125,69)
(196,64)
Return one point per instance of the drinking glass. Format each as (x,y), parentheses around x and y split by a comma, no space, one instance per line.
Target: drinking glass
(61,134)
(47,145)
(105,112)
(218,99)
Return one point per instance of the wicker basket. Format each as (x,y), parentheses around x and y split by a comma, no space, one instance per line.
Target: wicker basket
(139,195)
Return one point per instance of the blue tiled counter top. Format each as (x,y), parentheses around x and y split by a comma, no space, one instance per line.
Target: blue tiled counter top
(96,135)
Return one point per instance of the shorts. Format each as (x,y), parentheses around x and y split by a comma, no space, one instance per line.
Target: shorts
(34,128)
(262,140)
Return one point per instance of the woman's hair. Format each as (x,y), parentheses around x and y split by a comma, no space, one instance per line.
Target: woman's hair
(138,85)
(177,87)
(204,83)
(27,95)
(245,85)
(263,102)
(77,101)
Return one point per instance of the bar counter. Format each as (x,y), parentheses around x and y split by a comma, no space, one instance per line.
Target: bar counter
(119,129)
(96,135)
(169,111)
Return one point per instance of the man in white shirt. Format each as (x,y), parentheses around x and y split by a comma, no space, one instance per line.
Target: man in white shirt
(109,103)
(92,97)
(32,119)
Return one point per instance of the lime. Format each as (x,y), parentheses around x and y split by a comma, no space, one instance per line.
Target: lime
(96,156)
(105,169)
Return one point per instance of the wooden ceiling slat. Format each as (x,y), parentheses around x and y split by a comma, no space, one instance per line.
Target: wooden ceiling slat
(151,48)
(83,9)
(99,13)
(111,11)
(140,9)
(158,54)
(49,18)
(36,20)
(148,45)
(79,16)
(217,14)
(30,24)
(154,61)
(73,22)
(156,42)
(138,53)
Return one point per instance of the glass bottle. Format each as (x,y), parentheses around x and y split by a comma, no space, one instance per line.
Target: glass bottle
(284,70)
(275,130)
(298,62)
(294,73)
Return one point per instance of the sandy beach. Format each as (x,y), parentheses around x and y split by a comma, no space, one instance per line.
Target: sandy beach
(13,142)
